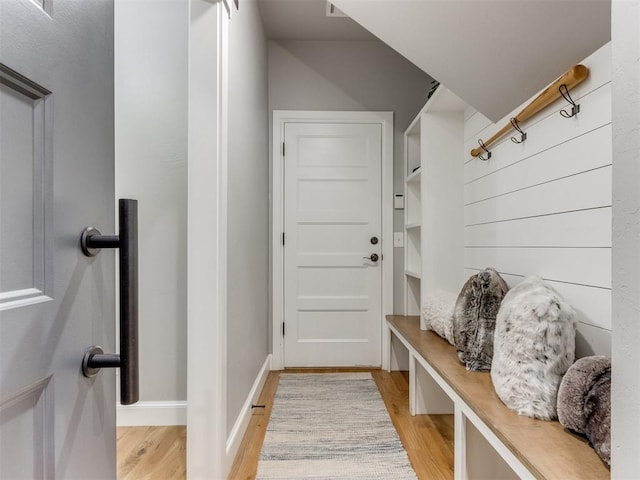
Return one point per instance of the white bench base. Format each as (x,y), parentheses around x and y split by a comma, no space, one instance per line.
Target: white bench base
(491,441)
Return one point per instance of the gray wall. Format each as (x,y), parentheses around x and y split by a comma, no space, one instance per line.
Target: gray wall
(151,165)
(314,75)
(248,201)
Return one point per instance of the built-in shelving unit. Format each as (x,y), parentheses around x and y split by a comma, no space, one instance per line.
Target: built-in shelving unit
(434,220)
(412,218)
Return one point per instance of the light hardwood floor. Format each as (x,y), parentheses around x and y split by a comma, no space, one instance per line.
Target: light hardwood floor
(152,453)
(428,439)
(159,452)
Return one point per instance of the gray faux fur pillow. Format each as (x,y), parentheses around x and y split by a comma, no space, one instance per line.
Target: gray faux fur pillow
(437,312)
(584,402)
(534,346)
(474,318)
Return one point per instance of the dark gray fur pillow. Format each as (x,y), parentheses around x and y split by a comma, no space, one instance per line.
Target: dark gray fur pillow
(584,402)
(474,318)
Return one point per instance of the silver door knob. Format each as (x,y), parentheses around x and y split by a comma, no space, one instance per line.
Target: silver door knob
(374,257)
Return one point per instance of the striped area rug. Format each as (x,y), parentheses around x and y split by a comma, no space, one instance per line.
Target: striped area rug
(331,426)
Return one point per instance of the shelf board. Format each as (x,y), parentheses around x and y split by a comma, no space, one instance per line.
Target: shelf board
(411,273)
(412,226)
(414,176)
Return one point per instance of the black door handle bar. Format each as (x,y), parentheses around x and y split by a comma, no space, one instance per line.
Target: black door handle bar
(127,243)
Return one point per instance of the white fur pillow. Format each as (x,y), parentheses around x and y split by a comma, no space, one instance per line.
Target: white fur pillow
(534,345)
(437,312)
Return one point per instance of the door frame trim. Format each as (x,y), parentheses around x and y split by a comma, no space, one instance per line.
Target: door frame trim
(280,118)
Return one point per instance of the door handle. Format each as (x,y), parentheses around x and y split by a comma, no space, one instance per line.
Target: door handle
(374,257)
(127,243)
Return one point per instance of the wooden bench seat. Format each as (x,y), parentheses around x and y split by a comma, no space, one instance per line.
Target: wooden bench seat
(531,448)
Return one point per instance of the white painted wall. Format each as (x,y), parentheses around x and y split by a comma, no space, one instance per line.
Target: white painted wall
(151,166)
(248,206)
(368,76)
(625,448)
(544,206)
(207,239)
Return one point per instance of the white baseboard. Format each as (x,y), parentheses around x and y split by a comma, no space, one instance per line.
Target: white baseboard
(240,426)
(152,413)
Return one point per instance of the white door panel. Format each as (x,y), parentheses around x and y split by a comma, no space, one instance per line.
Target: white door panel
(332,195)
(333,325)
(56,177)
(337,238)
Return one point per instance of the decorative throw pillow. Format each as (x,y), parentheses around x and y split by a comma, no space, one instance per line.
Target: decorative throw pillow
(474,318)
(437,312)
(584,402)
(534,346)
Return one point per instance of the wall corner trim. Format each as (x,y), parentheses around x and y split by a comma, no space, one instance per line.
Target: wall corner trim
(152,413)
(240,426)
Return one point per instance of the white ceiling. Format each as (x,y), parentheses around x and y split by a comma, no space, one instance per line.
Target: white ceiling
(494,54)
(307,20)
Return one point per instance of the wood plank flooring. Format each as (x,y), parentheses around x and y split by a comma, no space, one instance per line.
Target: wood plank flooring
(146,453)
(428,439)
(159,453)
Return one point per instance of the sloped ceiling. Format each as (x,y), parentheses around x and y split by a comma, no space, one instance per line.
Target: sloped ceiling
(307,20)
(494,54)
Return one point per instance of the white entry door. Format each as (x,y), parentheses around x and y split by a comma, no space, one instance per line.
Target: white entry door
(332,252)
(56,178)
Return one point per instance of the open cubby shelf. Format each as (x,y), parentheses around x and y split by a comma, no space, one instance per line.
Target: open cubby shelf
(433,217)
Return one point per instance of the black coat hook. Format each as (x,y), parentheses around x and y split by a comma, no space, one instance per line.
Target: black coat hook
(575,108)
(484,147)
(516,125)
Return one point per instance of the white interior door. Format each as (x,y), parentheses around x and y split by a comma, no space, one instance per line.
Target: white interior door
(332,252)
(56,177)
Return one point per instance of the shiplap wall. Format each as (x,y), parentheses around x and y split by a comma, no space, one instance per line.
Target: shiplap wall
(544,206)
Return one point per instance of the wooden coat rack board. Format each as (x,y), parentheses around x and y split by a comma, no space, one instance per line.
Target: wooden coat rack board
(553,92)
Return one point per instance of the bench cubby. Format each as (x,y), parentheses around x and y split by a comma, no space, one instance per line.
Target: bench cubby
(491,441)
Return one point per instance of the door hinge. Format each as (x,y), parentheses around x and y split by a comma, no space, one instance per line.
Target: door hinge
(283,329)
(283,149)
